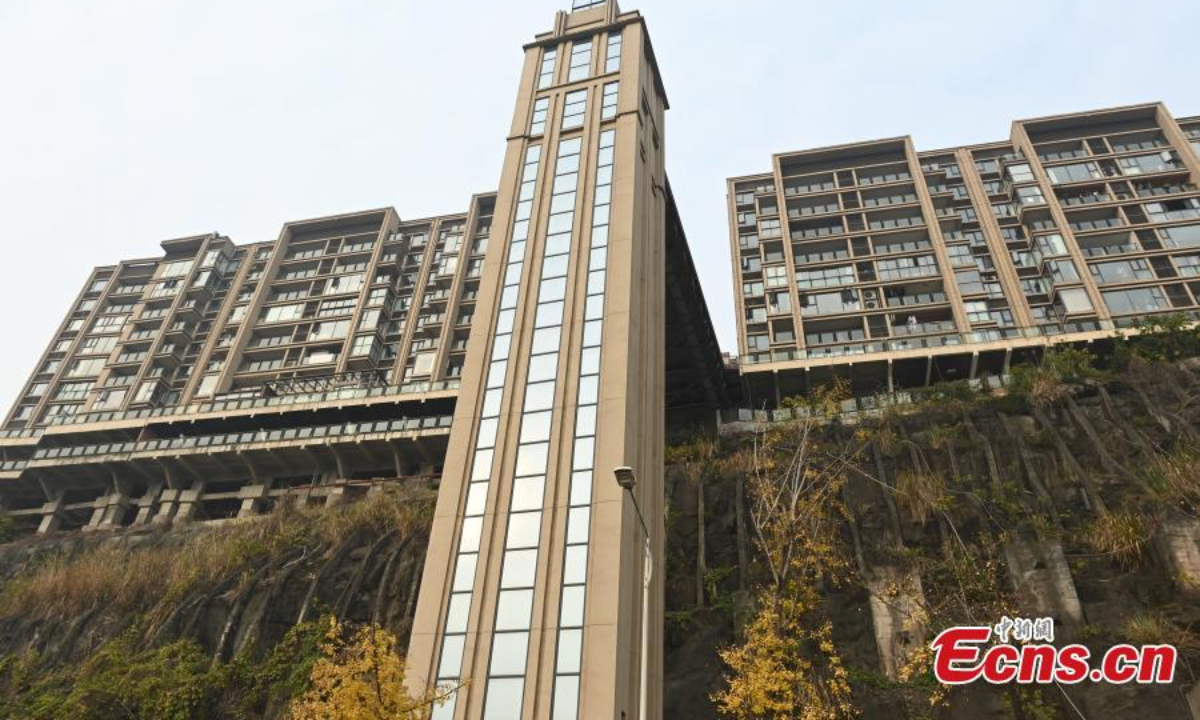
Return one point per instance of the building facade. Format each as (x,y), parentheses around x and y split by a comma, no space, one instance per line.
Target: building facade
(533,589)
(895,267)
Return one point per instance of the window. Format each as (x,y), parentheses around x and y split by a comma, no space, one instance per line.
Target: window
(1031,195)
(86,368)
(1182,236)
(825,277)
(827,303)
(546,72)
(608,105)
(283,313)
(1020,173)
(574,109)
(1073,173)
(330,330)
(775,276)
(612,61)
(1137,300)
(1062,271)
(73,391)
(1050,245)
(541,107)
(1189,265)
(1140,164)
(1121,271)
(1075,301)
(178,268)
(581,61)
(98,345)
(1170,210)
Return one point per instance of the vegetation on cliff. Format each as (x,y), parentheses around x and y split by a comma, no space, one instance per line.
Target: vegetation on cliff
(295,614)
(1060,496)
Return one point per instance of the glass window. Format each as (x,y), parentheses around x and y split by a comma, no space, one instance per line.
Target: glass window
(508,658)
(1121,271)
(1020,172)
(535,427)
(570,646)
(1075,300)
(523,530)
(612,61)
(540,109)
(581,61)
(574,109)
(1074,173)
(532,458)
(504,695)
(1137,300)
(513,609)
(452,653)
(608,104)
(527,493)
(546,72)
(520,569)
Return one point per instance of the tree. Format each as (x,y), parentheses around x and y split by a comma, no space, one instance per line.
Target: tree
(787,666)
(360,677)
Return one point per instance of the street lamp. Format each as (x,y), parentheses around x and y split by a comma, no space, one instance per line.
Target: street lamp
(628,481)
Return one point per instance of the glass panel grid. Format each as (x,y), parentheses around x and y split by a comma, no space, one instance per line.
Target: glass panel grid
(523,532)
(479,486)
(569,657)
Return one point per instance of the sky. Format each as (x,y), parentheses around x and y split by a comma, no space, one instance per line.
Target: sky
(127,122)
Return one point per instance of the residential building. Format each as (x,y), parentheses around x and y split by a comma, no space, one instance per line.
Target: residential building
(894,267)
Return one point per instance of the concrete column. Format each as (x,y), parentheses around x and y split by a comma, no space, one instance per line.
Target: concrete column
(1042,579)
(109,511)
(51,514)
(1177,545)
(168,502)
(253,499)
(189,501)
(146,504)
(897,601)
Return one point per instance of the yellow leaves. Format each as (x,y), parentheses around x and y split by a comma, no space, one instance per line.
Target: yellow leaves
(785,669)
(361,677)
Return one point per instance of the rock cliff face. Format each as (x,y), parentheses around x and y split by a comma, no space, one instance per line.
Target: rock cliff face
(234,589)
(1074,501)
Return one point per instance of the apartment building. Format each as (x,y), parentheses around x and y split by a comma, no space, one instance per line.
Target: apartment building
(516,354)
(894,267)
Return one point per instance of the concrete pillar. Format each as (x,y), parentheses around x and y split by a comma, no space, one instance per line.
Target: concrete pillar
(1042,581)
(51,514)
(189,501)
(109,511)
(336,496)
(897,601)
(1177,545)
(168,501)
(253,500)
(146,503)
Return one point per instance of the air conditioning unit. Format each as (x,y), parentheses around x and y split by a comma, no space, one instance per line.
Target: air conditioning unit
(870,295)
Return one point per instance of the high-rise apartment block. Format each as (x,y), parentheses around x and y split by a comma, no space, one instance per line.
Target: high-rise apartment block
(896,267)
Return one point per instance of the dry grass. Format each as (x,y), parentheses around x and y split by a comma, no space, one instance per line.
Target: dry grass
(1122,535)
(140,579)
(919,493)
(1176,477)
(1154,628)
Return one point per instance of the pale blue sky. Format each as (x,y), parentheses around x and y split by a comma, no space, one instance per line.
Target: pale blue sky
(126,122)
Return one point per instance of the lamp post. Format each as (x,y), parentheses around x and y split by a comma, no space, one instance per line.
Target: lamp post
(628,481)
